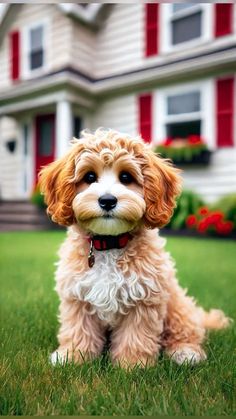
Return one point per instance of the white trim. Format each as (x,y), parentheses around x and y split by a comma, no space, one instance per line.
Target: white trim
(27,161)
(207,27)
(64,122)
(27,72)
(44,100)
(87,14)
(206,114)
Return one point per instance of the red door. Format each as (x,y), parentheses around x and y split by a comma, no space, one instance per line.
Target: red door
(44,141)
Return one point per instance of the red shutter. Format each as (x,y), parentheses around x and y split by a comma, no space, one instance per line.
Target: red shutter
(225,112)
(15,55)
(145,117)
(151,28)
(223,19)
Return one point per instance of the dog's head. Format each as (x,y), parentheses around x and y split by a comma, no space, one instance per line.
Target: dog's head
(109,184)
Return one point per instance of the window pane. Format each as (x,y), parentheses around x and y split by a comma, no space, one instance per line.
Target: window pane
(36,38)
(36,59)
(185,103)
(181,6)
(183,129)
(46,138)
(186,28)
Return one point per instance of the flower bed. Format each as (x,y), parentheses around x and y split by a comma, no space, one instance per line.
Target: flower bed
(207,221)
(192,150)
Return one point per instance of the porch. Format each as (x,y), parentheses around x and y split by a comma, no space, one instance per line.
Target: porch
(32,138)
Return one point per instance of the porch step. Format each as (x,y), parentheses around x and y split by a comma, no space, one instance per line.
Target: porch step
(23,216)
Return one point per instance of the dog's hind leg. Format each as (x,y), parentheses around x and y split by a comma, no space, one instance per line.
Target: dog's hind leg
(184,330)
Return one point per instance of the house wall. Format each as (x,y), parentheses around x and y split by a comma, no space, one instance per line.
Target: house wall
(120,42)
(59,35)
(118,113)
(83,48)
(211,182)
(10,163)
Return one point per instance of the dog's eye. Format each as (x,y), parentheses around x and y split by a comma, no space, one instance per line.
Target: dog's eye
(90,177)
(126,178)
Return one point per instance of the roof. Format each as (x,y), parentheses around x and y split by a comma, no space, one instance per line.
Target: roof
(88,13)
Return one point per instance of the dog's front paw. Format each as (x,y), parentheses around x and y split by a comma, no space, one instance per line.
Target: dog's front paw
(187,354)
(59,358)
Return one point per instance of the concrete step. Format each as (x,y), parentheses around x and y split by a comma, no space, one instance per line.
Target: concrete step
(24,216)
(37,218)
(18,207)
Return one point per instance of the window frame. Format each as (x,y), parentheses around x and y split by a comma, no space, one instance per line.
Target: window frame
(28,72)
(205,115)
(168,17)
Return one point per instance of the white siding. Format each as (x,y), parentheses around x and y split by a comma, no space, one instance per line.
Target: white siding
(216,180)
(83,48)
(58,43)
(119,113)
(11,165)
(120,40)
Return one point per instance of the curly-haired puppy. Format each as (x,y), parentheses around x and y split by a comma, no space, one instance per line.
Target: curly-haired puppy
(114,274)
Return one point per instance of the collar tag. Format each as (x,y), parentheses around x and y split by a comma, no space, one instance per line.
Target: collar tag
(91,257)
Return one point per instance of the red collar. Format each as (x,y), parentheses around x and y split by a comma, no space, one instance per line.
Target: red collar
(110,242)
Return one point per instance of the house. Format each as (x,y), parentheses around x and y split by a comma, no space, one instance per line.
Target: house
(158,69)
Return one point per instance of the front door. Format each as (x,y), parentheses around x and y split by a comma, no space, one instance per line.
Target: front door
(45,141)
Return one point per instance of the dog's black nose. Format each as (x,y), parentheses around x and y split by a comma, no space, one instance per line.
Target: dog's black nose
(107,202)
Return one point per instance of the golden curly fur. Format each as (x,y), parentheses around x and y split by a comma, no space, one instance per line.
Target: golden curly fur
(132,291)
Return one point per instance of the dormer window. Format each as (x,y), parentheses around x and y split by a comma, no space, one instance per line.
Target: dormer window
(35,49)
(36,52)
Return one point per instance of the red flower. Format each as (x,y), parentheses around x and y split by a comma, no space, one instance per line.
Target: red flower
(224,227)
(202,226)
(168,141)
(195,139)
(217,216)
(191,221)
(203,211)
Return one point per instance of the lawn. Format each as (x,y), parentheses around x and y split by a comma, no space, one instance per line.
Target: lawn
(31,386)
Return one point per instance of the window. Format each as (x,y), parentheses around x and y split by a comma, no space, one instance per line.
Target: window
(46,139)
(183,116)
(186,23)
(183,103)
(36,48)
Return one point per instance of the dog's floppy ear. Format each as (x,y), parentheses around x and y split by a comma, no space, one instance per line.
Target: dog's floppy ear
(55,182)
(162,185)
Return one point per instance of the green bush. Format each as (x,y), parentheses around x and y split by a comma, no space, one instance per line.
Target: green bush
(37,198)
(188,203)
(227,205)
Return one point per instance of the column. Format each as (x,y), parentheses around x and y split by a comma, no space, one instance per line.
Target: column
(64,127)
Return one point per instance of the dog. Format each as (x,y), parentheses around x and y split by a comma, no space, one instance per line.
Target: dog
(113,193)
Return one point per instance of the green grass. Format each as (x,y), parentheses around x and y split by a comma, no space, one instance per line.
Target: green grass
(31,386)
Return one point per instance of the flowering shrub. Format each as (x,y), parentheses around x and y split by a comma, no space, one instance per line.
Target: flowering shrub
(208,221)
(37,198)
(187,203)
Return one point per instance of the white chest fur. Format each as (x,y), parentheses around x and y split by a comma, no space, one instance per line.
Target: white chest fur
(106,289)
